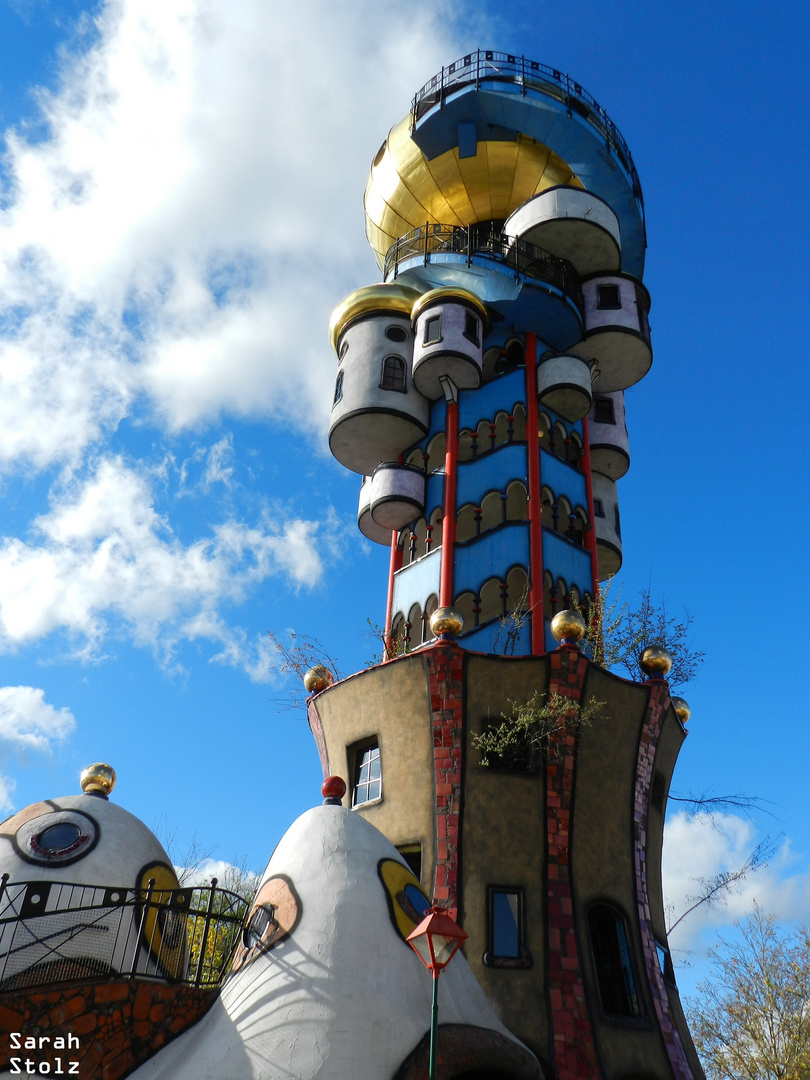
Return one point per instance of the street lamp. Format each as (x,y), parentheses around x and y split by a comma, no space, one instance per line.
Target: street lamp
(435,941)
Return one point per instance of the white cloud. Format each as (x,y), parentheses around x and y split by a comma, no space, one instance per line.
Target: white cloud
(703,846)
(28,722)
(104,561)
(194,213)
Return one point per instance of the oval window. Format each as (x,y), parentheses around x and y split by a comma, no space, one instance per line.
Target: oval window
(58,839)
(396,333)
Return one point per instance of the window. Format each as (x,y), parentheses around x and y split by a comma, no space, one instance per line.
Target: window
(344,348)
(367,775)
(608,298)
(617,521)
(603,411)
(396,333)
(665,962)
(611,958)
(505,945)
(598,508)
(393,374)
(412,854)
(338,388)
(433,330)
(471,327)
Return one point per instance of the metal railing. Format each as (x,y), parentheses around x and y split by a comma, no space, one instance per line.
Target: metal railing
(52,932)
(485,240)
(487,65)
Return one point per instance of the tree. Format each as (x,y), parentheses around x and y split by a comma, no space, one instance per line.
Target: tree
(753,1019)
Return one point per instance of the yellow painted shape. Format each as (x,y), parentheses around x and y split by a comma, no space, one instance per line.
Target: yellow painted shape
(170,953)
(395,877)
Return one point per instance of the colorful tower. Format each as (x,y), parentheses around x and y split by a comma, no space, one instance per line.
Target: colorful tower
(480,394)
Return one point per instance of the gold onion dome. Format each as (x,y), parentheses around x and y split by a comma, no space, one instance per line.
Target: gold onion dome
(405,190)
(568,624)
(682,710)
(451,293)
(97,778)
(366,301)
(318,678)
(446,620)
(656,661)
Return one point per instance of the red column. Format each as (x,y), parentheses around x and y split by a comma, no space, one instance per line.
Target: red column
(449,520)
(394,565)
(535,503)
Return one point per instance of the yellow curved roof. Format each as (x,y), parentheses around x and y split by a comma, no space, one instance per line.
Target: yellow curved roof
(371,298)
(405,190)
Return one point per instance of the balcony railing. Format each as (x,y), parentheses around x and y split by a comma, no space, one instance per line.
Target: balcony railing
(489,65)
(52,932)
(484,240)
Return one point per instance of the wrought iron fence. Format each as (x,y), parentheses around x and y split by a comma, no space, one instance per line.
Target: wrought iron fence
(52,932)
(486,240)
(489,65)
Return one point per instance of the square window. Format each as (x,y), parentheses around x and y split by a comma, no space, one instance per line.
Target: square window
(367,774)
(603,411)
(471,327)
(412,854)
(598,508)
(608,298)
(433,330)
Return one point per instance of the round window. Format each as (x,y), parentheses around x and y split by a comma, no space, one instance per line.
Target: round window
(396,333)
(57,839)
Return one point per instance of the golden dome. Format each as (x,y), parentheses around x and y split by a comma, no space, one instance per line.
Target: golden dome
(655,660)
(446,620)
(317,678)
(568,624)
(681,708)
(365,301)
(442,296)
(405,190)
(97,777)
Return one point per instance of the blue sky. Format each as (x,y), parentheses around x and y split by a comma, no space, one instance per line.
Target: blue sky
(181,208)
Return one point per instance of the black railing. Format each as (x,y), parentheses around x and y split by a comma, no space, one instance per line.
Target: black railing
(484,240)
(487,65)
(52,932)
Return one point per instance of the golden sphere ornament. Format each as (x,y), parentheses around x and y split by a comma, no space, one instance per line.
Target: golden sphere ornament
(98,778)
(682,710)
(656,662)
(446,621)
(568,626)
(318,678)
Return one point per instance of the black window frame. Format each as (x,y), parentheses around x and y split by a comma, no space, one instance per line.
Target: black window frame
(359,760)
(433,322)
(521,957)
(608,297)
(394,374)
(394,331)
(472,328)
(604,410)
(614,969)
(338,388)
(598,508)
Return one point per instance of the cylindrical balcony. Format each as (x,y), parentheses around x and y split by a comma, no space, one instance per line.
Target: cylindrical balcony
(377,412)
(448,326)
(607,525)
(365,522)
(572,224)
(397,495)
(564,386)
(607,435)
(617,331)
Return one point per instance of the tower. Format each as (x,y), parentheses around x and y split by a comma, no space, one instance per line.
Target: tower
(480,395)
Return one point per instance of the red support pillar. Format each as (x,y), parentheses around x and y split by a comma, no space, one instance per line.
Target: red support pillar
(538,624)
(394,565)
(449,519)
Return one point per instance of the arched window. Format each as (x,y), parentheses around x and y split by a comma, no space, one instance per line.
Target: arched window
(611,958)
(338,388)
(393,374)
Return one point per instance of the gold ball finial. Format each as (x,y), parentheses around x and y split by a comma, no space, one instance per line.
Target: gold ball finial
(446,620)
(568,625)
(318,678)
(682,710)
(656,662)
(97,778)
